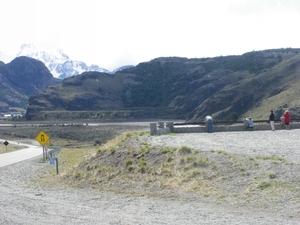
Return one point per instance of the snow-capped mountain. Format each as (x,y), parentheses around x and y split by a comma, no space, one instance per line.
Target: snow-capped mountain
(122,68)
(58,62)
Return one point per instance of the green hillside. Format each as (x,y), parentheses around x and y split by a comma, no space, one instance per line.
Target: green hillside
(21,78)
(228,88)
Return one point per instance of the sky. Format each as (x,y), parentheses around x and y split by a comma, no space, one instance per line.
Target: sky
(114,33)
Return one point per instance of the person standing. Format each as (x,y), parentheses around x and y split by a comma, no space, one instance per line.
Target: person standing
(209,124)
(287,118)
(250,124)
(271,119)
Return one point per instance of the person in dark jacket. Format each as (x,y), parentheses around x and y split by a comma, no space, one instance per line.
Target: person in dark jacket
(271,119)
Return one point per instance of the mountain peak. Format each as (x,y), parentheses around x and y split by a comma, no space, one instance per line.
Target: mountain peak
(58,62)
(32,51)
(62,53)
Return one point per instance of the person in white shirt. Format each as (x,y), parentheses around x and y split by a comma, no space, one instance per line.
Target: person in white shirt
(250,123)
(209,124)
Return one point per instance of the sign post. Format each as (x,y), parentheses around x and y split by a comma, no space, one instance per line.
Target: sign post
(54,161)
(6,143)
(46,151)
(42,138)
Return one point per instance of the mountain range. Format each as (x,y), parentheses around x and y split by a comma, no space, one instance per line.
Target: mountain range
(58,62)
(226,87)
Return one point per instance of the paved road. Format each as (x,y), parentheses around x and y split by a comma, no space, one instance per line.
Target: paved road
(28,152)
(31,151)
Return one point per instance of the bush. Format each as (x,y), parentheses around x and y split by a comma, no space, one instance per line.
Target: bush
(263,185)
(128,162)
(184,150)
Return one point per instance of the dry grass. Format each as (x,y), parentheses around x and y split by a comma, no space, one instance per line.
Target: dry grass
(68,160)
(9,148)
(160,171)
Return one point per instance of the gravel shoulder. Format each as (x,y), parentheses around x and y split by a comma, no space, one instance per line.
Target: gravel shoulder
(25,202)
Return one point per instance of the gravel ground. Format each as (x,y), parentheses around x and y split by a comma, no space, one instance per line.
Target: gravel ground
(285,143)
(23,202)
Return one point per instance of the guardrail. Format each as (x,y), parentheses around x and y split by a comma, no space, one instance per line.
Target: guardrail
(53,151)
(219,126)
(232,123)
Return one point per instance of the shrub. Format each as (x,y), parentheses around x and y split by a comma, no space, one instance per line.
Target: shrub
(201,161)
(142,164)
(113,150)
(143,133)
(184,150)
(129,135)
(195,173)
(98,141)
(128,162)
(272,175)
(130,168)
(167,150)
(263,185)
(169,159)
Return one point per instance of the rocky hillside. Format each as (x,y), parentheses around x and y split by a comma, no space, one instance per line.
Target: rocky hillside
(228,88)
(21,78)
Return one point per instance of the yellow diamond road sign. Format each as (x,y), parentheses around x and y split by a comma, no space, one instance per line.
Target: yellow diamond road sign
(42,138)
